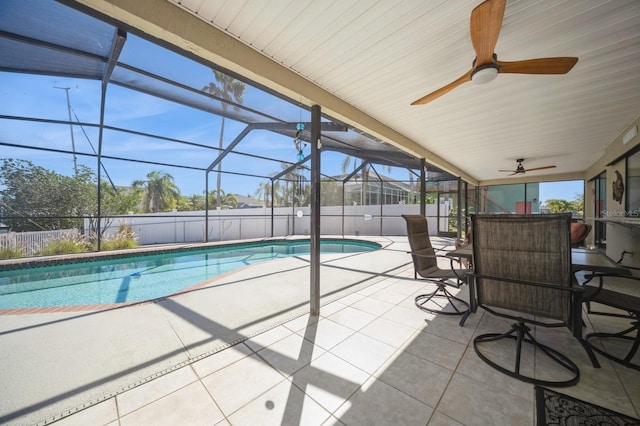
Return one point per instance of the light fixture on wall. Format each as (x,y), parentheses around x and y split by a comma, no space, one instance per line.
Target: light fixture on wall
(632,133)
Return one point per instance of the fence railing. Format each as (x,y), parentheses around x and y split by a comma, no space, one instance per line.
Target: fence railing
(31,243)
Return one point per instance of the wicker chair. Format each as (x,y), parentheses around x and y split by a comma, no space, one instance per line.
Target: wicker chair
(522,264)
(425,265)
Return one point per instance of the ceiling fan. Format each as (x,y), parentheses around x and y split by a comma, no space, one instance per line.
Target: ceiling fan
(521,170)
(486,22)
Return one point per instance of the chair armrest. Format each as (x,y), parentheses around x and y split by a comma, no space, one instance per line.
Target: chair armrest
(431,256)
(573,289)
(592,292)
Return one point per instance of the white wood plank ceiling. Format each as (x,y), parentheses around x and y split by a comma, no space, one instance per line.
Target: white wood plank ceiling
(381,55)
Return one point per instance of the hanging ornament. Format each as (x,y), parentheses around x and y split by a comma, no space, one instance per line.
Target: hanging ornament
(299,144)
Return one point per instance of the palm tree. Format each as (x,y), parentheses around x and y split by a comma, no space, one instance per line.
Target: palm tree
(296,191)
(365,174)
(160,191)
(195,202)
(229,89)
(228,201)
(264,192)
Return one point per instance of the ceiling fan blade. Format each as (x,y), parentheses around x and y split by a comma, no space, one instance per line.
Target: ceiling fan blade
(441,91)
(540,168)
(506,171)
(486,22)
(538,66)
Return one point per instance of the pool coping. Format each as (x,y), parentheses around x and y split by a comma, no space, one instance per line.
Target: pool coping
(362,272)
(25,263)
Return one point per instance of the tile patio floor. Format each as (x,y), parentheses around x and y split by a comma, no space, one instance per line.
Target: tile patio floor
(370,358)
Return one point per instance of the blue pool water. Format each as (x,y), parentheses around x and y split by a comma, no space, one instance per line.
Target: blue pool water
(146,276)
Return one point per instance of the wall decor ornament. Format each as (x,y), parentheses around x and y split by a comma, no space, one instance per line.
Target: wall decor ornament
(618,188)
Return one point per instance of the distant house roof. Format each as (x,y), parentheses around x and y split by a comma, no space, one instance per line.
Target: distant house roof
(373,179)
(245,202)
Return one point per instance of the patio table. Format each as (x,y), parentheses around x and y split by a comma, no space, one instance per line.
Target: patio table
(595,261)
(582,259)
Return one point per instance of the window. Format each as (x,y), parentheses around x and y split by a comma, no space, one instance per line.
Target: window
(600,208)
(633,185)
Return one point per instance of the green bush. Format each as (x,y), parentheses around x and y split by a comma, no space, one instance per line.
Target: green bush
(118,243)
(65,245)
(11,252)
(123,239)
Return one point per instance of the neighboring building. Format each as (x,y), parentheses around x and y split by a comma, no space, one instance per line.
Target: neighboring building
(245,202)
(514,198)
(378,189)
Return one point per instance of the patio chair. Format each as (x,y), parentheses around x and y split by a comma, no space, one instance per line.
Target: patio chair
(522,272)
(579,232)
(425,265)
(468,238)
(624,345)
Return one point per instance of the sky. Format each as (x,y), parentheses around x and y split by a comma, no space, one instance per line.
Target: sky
(567,190)
(45,97)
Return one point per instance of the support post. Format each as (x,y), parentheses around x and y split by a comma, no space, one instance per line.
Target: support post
(459,213)
(423,187)
(273,200)
(315,211)
(206,206)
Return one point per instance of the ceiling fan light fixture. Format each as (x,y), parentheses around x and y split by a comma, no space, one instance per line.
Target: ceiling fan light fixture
(484,74)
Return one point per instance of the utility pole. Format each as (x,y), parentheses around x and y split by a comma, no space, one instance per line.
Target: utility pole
(73,142)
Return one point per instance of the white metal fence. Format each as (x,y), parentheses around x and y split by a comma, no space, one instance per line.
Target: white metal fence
(31,243)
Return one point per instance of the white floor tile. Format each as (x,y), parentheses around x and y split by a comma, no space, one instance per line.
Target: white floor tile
(329,380)
(267,338)
(389,332)
(352,318)
(422,379)
(283,405)
(242,381)
(191,405)
(291,354)
(380,404)
(155,389)
(364,352)
(373,306)
(471,402)
(221,359)
(327,334)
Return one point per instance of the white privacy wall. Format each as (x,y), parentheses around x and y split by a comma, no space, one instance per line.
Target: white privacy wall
(238,224)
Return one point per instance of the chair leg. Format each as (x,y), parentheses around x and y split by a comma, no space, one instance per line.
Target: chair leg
(623,335)
(464,317)
(589,351)
(520,332)
(460,307)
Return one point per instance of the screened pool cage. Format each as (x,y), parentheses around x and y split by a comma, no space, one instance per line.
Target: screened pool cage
(106,133)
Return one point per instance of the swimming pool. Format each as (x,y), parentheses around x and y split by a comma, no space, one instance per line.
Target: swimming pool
(148,276)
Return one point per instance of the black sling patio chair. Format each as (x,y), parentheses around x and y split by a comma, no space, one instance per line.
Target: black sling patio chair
(624,345)
(522,271)
(425,265)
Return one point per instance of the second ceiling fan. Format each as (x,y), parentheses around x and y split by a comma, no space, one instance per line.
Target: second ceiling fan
(521,170)
(486,22)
